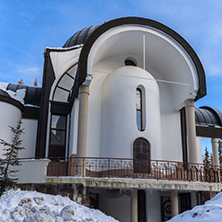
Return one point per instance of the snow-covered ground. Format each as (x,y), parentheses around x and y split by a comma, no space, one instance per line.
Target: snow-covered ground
(31,206)
(210,211)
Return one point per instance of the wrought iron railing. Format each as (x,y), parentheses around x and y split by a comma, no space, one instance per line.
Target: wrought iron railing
(132,168)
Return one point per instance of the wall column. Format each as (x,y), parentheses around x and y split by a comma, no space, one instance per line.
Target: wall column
(193,199)
(83,119)
(191,131)
(174,203)
(214,142)
(133,205)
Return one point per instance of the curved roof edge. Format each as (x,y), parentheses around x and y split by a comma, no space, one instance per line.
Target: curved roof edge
(208,116)
(32,93)
(82,66)
(80,37)
(12,101)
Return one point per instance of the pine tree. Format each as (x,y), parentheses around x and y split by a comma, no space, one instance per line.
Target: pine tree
(207,161)
(11,158)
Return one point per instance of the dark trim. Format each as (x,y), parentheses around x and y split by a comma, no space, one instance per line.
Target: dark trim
(59,108)
(183,134)
(209,132)
(82,65)
(57,85)
(63,89)
(13,102)
(75,91)
(31,113)
(48,79)
(66,73)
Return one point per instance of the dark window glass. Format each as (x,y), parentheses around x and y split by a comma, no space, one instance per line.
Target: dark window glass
(129,62)
(58,122)
(139,110)
(57,136)
(141,156)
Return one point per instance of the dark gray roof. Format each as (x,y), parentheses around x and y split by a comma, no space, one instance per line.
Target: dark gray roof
(3,93)
(208,116)
(80,36)
(32,96)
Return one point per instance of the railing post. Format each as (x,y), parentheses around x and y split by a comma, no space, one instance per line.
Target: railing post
(157,170)
(83,167)
(121,168)
(96,167)
(57,170)
(108,167)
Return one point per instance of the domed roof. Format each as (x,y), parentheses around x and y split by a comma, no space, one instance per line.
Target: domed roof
(80,36)
(208,116)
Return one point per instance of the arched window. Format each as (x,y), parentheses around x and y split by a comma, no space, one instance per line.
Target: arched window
(139,109)
(141,156)
(60,109)
(64,86)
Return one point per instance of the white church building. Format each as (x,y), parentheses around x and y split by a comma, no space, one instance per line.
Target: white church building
(114,125)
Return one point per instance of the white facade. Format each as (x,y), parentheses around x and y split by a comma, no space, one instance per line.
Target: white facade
(28,138)
(129,81)
(10,115)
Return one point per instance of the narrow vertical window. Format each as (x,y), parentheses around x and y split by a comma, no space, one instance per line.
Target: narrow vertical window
(57,144)
(139,111)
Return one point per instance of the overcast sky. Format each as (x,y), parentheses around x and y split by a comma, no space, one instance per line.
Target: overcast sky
(27,27)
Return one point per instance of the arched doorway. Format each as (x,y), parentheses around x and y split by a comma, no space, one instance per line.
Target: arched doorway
(141,155)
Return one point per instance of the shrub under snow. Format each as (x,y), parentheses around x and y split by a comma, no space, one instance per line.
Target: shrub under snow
(210,211)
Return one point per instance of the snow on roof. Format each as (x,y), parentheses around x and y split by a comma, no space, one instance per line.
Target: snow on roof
(210,211)
(18,95)
(27,95)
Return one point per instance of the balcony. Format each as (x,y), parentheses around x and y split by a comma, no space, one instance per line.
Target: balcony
(132,169)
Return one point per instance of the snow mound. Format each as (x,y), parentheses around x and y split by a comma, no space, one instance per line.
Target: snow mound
(210,211)
(31,206)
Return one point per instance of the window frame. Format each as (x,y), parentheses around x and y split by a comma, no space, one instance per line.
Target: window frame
(140,111)
(57,148)
(141,165)
(67,91)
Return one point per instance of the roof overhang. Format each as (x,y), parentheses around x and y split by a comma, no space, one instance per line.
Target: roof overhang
(157,36)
